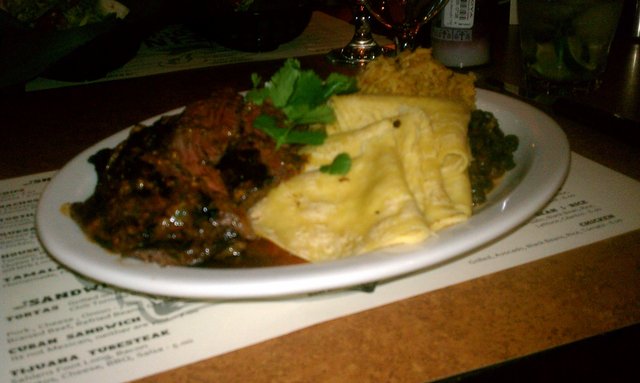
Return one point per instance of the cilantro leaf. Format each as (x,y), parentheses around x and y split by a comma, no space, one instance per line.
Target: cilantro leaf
(283,82)
(307,137)
(308,90)
(340,165)
(302,96)
(337,83)
(255,80)
(269,125)
(281,136)
(303,115)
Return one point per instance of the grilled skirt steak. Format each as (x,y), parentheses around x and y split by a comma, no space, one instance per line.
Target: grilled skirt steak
(176,193)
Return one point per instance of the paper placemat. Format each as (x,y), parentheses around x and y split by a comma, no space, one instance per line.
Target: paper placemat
(177,47)
(58,326)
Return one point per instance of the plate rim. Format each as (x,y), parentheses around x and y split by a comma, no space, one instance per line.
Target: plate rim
(551,159)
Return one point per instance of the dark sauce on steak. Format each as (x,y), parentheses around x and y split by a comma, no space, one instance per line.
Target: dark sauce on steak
(176,193)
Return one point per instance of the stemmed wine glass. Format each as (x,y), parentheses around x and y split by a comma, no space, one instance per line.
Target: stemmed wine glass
(362,48)
(404,18)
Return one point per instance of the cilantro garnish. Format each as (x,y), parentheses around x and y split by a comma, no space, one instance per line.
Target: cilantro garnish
(282,136)
(340,165)
(302,96)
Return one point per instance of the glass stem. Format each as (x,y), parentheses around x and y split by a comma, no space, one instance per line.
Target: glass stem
(363,38)
(404,40)
(362,48)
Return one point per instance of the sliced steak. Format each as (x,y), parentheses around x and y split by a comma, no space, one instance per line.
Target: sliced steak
(176,193)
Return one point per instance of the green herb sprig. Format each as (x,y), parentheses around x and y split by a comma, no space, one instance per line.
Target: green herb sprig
(340,165)
(302,96)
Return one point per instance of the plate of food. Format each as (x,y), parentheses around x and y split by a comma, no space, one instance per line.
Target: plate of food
(304,184)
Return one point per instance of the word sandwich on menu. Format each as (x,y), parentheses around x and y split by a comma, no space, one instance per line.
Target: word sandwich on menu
(57,326)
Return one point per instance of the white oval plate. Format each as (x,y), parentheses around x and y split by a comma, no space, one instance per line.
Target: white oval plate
(542,164)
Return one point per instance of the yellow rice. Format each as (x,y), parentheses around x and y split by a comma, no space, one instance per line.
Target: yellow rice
(416,73)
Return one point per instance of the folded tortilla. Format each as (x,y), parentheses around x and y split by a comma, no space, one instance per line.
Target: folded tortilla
(408,179)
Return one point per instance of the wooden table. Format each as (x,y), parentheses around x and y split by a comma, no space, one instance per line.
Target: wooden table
(538,306)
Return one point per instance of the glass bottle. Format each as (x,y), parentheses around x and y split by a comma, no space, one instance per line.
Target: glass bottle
(460,34)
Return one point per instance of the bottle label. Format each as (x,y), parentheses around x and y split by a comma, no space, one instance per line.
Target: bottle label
(458,14)
(452,34)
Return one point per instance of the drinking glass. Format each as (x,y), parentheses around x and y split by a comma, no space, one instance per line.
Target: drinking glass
(362,48)
(565,43)
(404,18)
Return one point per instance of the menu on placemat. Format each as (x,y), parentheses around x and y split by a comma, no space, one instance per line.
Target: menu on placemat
(58,326)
